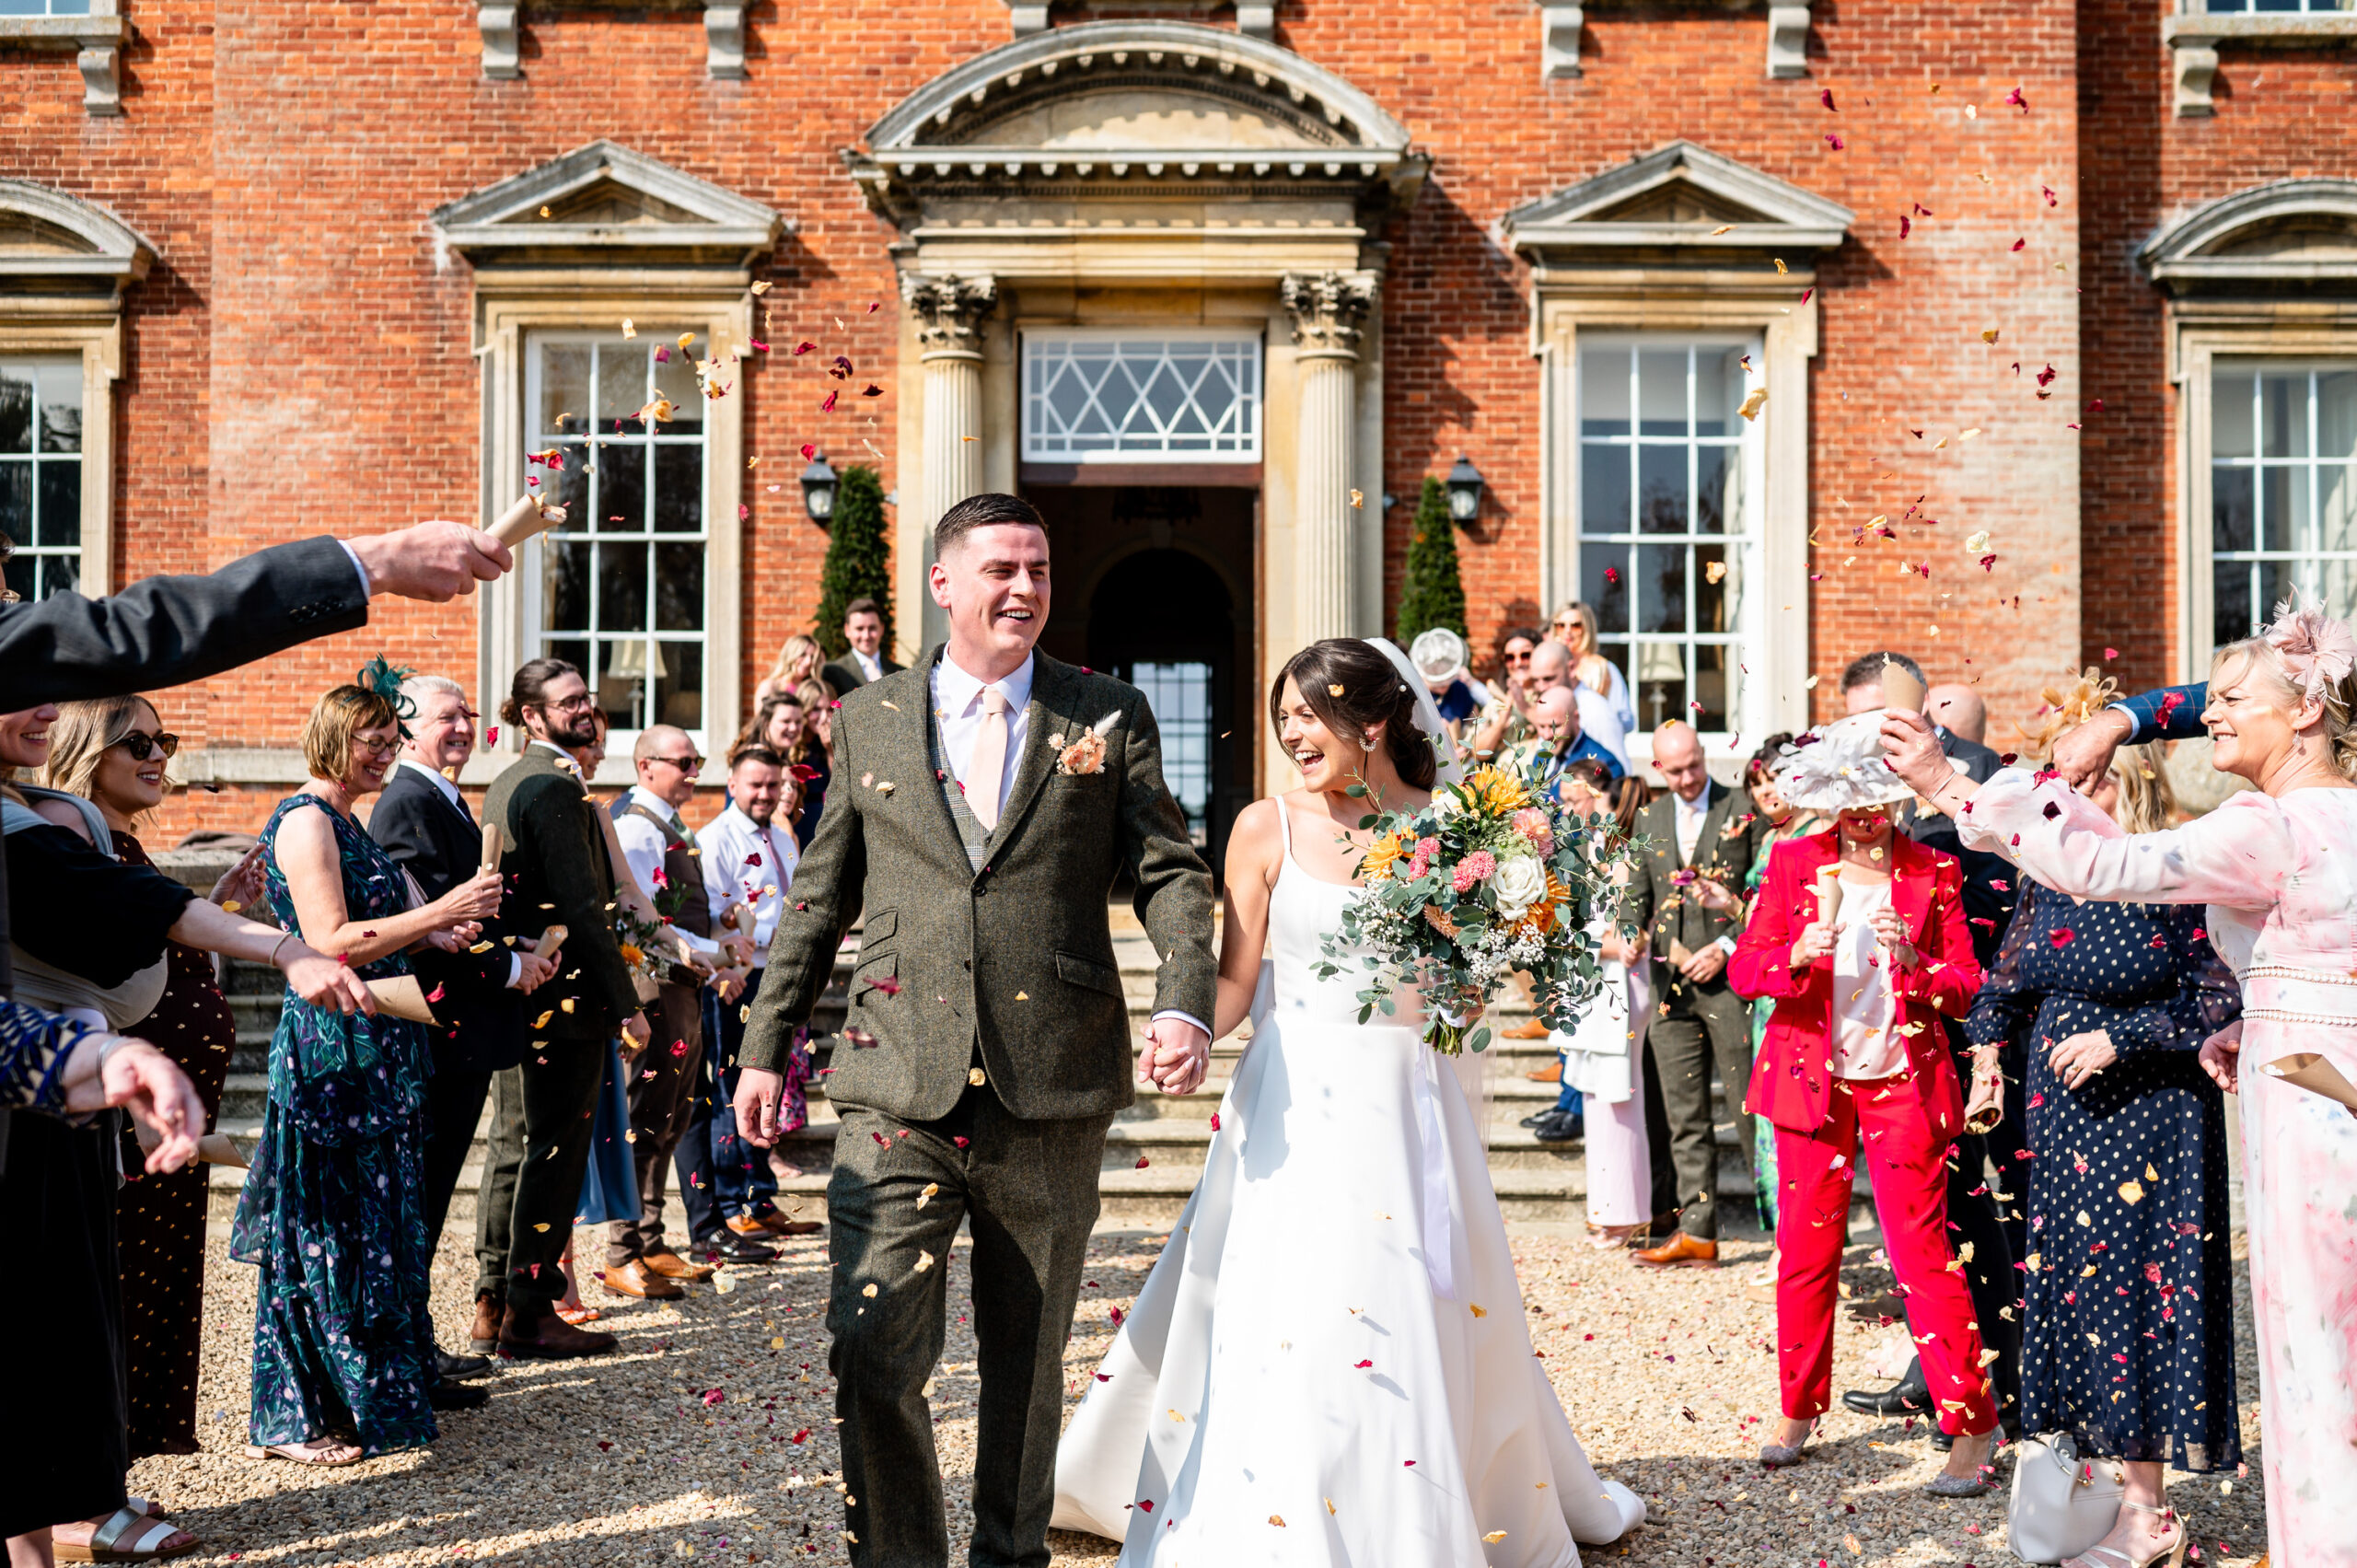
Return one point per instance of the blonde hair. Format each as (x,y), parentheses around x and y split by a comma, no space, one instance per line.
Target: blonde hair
(2256,659)
(79,739)
(2066,708)
(335,718)
(2147,804)
(1585,616)
(797,662)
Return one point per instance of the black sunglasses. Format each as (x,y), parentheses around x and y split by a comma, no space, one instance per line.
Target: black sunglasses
(141,745)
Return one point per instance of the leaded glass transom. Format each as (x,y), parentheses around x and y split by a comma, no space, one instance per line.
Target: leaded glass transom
(1092,397)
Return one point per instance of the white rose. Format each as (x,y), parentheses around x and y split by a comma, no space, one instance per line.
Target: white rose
(1446,803)
(1519,882)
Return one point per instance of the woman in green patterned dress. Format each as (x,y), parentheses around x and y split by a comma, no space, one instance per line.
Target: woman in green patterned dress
(331,1210)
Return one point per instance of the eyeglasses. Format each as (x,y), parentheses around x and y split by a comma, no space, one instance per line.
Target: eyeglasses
(688,765)
(373,747)
(568,704)
(1518,658)
(141,746)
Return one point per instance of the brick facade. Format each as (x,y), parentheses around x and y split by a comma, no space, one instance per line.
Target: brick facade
(299,360)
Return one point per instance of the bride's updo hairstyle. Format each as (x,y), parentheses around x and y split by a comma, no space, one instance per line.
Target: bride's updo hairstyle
(2256,661)
(1351,688)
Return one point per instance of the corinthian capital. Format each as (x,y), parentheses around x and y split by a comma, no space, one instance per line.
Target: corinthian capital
(1326,309)
(950,310)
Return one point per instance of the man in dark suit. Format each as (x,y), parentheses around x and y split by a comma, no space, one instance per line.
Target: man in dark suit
(557,872)
(1996,1227)
(422,822)
(1694,830)
(998,793)
(865,661)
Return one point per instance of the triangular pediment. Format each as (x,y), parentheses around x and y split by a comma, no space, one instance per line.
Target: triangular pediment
(1680,195)
(2289,233)
(604,197)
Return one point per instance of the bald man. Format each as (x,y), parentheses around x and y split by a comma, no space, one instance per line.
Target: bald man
(1960,711)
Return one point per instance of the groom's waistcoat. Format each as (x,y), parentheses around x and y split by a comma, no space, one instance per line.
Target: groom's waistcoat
(994,944)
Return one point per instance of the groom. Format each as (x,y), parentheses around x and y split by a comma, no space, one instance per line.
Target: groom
(984,802)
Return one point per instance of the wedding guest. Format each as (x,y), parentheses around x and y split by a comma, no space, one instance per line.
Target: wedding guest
(1958,709)
(864,659)
(1603,1091)
(1574,627)
(782,726)
(668,867)
(609,1180)
(1696,831)
(819,707)
(1779,820)
(1440,657)
(422,822)
(1858,933)
(797,661)
(1500,703)
(1555,740)
(2272,864)
(556,864)
(2108,1005)
(748,860)
(92,942)
(333,1210)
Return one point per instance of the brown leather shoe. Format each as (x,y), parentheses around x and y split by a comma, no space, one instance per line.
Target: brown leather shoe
(774,1223)
(1550,1074)
(634,1278)
(1681,1251)
(550,1338)
(1532,1028)
(483,1338)
(671,1266)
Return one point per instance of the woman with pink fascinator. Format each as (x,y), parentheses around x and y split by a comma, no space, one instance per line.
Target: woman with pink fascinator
(2277,866)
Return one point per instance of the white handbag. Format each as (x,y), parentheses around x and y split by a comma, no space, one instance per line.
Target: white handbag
(2062,1504)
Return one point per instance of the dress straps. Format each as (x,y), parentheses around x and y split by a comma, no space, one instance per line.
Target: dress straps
(1284,824)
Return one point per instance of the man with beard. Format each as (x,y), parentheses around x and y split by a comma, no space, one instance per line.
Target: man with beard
(557,872)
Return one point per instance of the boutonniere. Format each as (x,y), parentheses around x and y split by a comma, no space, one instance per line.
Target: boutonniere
(1085,754)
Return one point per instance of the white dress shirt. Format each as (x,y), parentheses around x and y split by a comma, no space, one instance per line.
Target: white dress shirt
(745,864)
(957,705)
(643,846)
(1688,816)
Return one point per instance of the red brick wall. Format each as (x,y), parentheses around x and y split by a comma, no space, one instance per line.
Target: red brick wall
(299,362)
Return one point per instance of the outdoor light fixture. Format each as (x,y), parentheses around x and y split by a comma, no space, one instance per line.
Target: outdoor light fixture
(818,489)
(1464,484)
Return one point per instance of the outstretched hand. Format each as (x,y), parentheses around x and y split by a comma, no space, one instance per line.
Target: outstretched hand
(2083,755)
(435,561)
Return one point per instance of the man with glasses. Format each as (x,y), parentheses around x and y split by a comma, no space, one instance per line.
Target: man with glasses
(557,872)
(664,857)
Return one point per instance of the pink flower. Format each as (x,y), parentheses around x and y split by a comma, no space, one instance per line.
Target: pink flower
(1420,859)
(2318,651)
(1532,824)
(1479,866)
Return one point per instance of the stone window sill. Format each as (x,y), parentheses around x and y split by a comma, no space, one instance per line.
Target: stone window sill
(97,42)
(2193,40)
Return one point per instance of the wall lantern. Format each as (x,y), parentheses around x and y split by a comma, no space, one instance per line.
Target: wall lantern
(818,490)
(1464,484)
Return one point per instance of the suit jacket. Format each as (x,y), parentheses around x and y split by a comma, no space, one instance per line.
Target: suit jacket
(1015,959)
(440,846)
(1791,1078)
(2173,713)
(1987,880)
(165,631)
(843,676)
(558,873)
(1655,904)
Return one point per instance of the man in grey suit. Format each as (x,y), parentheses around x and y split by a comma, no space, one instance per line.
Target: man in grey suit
(986,801)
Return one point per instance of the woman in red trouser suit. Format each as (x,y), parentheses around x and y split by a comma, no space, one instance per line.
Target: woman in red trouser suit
(1855,1059)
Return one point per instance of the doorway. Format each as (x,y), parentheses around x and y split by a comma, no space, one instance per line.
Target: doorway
(1163,578)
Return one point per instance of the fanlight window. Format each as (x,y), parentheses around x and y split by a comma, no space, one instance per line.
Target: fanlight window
(1121,397)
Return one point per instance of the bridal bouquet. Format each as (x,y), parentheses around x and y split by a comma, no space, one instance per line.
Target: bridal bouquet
(1490,876)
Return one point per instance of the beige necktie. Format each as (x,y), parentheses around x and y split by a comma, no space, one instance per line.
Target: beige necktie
(987,767)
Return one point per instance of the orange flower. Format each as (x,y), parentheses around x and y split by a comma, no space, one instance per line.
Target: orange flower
(1498,791)
(631,955)
(1381,855)
(1439,922)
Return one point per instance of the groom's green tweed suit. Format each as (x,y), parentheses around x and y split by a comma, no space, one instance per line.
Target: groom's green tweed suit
(990,953)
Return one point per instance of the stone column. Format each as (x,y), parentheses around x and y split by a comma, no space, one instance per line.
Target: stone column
(949,313)
(1327,310)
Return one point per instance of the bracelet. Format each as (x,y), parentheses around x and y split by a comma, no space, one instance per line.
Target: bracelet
(284,938)
(109,1043)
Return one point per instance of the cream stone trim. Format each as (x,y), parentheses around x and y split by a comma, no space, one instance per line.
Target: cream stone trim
(97,40)
(2193,35)
(98,345)
(504,320)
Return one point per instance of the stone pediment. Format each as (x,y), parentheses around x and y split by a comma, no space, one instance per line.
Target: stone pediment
(47,234)
(606,201)
(2290,232)
(1134,107)
(1679,197)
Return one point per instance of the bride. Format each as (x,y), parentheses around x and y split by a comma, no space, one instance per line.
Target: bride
(1330,1363)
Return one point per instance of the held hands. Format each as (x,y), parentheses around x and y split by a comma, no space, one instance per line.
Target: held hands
(2221,1056)
(1176,1056)
(435,562)
(2082,1056)
(1892,932)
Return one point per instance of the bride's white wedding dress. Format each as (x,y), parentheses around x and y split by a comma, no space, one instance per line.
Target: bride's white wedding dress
(1329,1363)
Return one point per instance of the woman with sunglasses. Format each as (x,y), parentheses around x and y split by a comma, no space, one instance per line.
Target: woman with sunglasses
(112,752)
(1574,627)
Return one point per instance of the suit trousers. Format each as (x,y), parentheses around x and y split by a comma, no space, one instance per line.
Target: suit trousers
(1868,1118)
(662,1095)
(1029,1190)
(721,1175)
(454,1104)
(540,1127)
(1705,1025)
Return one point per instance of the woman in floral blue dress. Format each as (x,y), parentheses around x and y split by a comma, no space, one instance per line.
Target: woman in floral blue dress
(332,1211)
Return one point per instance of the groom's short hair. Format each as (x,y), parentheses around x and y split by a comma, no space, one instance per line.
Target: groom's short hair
(981,512)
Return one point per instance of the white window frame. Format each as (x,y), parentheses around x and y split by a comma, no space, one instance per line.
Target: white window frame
(34,459)
(509,613)
(98,350)
(1743,537)
(1247,446)
(2303,561)
(2198,348)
